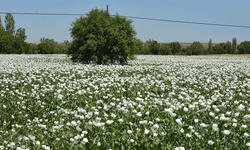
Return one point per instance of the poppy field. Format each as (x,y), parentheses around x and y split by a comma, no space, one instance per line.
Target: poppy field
(154,102)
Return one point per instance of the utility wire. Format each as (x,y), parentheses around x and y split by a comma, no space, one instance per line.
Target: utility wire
(154,19)
(189,22)
(51,14)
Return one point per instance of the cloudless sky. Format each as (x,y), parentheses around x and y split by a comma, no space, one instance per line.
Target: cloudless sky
(209,11)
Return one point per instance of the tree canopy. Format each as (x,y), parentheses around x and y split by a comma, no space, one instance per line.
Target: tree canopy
(102,40)
(244,47)
(196,48)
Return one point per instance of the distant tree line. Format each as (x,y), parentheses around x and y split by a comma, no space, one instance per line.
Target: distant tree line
(49,46)
(152,47)
(13,41)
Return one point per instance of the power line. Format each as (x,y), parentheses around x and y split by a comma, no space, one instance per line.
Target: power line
(51,14)
(143,18)
(190,22)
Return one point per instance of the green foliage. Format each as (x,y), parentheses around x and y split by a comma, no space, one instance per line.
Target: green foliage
(1,24)
(6,42)
(165,49)
(154,47)
(33,48)
(210,47)
(50,42)
(107,40)
(43,48)
(147,43)
(217,49)
(139,45)
(244,47)
(228,47)
(196,48)
(9,24)
(223,48)
(12,42)
(176,47)
(20,45)
(205,52)
(60,48)
(234,45)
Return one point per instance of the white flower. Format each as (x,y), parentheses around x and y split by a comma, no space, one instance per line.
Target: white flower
(73,123)
(234,125)
(132,141)
(38,143)
(56,122)
(178,121)
(47,148)
(157,119)
(196,120)
(120,120)
(237,114)
(139,114)
(244,126)
(210,142)
(129,131)
(84,141)
(156,126)
(241,107)
(98,144)
(109,121)
(185,109)
(188,135)
(211,114)
(146,131)
(215,127)
(113,115)
(246,134)
(155,134)
(162,133)
(179,148)
(248,144)
(147,113)
(182,130)
(228,113)
(226,132)
(203,125)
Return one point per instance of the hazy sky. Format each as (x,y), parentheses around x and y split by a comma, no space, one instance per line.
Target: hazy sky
(209,11)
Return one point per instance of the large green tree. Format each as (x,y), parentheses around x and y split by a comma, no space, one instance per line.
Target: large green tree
(196,48)
(210,47)
(1,24)
(176,47)
(20,37)
(218,49)
(154,47)
(6,42)
(164,49)
(43,48)
(9,24)
(244,47)
(227,47)
(234,45)
(102,40)
(139,44)
(223,48)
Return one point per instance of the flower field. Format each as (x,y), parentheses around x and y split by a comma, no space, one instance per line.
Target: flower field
(154,102)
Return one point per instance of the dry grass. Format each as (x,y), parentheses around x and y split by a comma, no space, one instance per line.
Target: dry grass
(230,55)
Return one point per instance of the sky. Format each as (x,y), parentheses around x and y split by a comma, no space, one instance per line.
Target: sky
(230,12)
